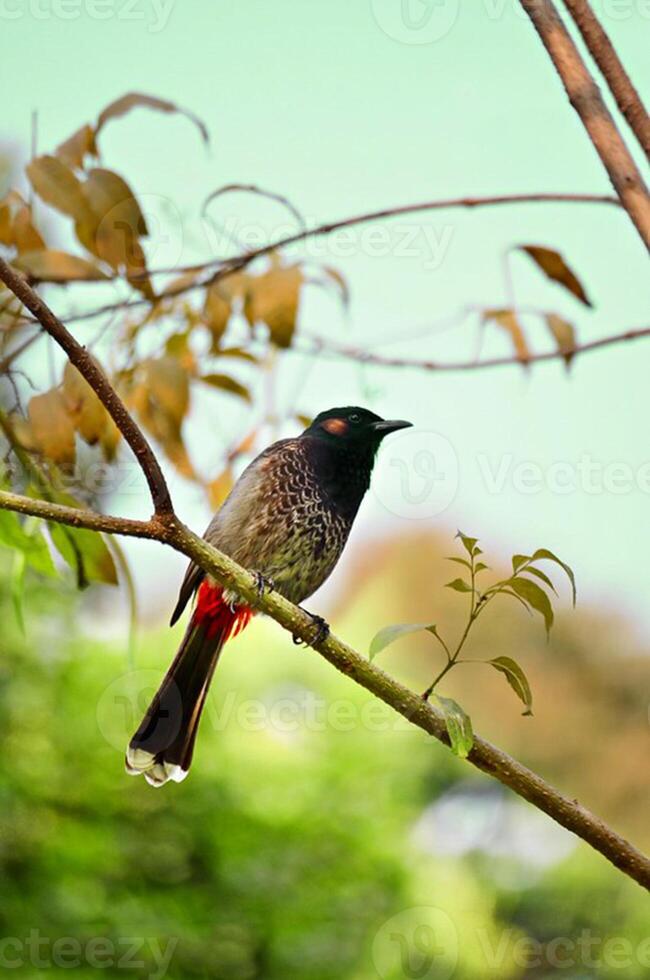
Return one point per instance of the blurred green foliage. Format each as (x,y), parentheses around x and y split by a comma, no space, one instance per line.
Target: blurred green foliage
(291,851)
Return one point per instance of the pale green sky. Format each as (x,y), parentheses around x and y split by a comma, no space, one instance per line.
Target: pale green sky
(336,105)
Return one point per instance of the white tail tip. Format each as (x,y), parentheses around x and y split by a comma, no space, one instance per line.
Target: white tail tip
(156,771)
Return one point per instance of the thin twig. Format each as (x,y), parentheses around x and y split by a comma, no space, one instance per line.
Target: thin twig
(606,57)
(226,267)
(322,346)
(584,96)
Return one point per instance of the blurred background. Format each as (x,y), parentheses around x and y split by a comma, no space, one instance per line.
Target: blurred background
(319,836)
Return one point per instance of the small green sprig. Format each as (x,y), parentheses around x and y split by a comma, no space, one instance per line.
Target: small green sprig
(524,586)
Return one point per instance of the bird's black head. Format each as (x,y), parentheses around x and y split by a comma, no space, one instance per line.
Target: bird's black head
(342,444)
(352,428)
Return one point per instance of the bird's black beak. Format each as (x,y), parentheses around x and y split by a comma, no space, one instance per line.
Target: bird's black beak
(389,425)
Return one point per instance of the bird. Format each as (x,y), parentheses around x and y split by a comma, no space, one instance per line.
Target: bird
(287,519)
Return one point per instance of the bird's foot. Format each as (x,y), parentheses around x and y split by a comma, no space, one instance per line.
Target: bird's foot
(321,631)
(263,583)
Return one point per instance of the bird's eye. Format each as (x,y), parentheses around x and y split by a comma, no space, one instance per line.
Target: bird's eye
(354,417)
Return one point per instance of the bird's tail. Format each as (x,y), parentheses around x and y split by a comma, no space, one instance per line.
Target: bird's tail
(162,747)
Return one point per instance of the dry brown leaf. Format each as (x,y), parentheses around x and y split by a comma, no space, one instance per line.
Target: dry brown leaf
(52,428)
(107,192)
(160,398)
(563,334)
(75,149)
(178,346)
(88,415)
(133,100)
(273,299)
(507,319)
(58,186)
(340,281)
(216,314)
(22,431)
(112,228)
(10,310)
(234,285)
(168,386)
(219,489)
(555,267)
(6,224)
(53,266)
(26,237)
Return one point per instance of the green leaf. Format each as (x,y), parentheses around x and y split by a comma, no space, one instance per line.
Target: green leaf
(518,561)
(389,634)
(86,553)
(27,539)
(516,679)
(468,543)
(480,567)
(518,598)
(458,585)
(535,596)
(540,575)
(461,561)
(459,726)
(544,553)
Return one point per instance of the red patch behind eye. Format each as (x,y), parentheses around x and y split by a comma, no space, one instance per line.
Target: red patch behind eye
(335,427)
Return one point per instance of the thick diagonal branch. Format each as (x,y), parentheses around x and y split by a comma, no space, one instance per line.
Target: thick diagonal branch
(587,101)
(96,378)
(605,55)
(485,756)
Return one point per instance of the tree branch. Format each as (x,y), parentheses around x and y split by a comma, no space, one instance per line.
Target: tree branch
(102,387)
(322,346)
(584,96)
(485,756)
(165,527)
(604,54)
(225,267)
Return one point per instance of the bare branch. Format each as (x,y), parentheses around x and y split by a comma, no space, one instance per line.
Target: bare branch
(486,757)
(78,516)
(225,267)
(604,54)
(322,346)
(82,360)
(584,96)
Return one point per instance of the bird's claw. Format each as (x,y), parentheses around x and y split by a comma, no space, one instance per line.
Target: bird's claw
(263,584)
(321,631)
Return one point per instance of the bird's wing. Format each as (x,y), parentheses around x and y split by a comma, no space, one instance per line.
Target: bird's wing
(193,578)
(249,498)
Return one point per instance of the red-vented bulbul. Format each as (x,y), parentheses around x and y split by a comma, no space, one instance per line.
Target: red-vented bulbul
(287,518)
